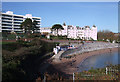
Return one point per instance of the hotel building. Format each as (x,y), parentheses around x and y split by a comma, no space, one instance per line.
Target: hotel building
(85,33)
(75,32)
(10,22)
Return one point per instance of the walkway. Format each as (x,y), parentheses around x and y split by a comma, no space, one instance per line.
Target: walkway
(57,56)
(87,47)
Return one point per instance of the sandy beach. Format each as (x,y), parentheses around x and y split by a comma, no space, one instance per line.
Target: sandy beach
(70,65)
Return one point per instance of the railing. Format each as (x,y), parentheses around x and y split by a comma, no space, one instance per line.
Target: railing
(4,23)
(7,17)
(111,70)
(108,73)
(19,18)
(71,51)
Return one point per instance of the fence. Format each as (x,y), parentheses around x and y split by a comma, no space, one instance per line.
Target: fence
(111,70)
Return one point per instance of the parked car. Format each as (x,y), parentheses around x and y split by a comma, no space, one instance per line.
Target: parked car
(63,49)
(71,47)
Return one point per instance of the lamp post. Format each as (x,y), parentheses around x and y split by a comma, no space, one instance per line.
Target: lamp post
(73,77)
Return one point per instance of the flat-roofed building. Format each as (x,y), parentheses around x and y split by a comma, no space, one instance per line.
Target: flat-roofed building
(10,22)
(45,30)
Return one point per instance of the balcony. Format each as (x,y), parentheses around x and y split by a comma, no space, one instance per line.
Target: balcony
(6,20)
(18,30)
(19,18)
(7,29)
(7,23)
(39,23)
(16,24)
(7,17)
(37,19)
(16,20)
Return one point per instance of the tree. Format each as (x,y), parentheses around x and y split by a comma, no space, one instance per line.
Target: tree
(34,26)
(106,34)
(64,24)
(87,26)
(94,26)
(29,26)
(57,27)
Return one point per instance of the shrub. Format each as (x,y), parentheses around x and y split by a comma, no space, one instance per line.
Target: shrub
(19,58)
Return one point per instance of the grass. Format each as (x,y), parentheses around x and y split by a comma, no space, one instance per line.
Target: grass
(59,37)
(6,42)
(97,74)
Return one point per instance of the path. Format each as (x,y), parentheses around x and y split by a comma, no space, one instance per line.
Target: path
(57,56)
(46,64)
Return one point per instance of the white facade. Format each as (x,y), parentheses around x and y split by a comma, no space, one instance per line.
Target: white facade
(63,32)
(76,32)
(45,30)
(85,33)
(72,32)
(10,22)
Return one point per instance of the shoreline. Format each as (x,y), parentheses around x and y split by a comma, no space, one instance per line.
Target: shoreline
(69,66)
(113,50)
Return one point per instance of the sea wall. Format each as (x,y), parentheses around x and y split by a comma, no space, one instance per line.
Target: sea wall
(87,47)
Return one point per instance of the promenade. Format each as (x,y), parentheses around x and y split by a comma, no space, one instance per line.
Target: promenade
(82,48)
(87,47)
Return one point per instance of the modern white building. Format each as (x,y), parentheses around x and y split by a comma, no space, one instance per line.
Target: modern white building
(10,22)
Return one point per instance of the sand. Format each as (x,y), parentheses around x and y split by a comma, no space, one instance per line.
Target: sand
(68,66)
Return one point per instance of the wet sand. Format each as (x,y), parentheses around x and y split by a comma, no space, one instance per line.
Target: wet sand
(69,65)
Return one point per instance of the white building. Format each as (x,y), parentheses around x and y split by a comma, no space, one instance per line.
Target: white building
(61,32)
(10,22)
(45,30)
(85,33)
(76,32)
(72,32)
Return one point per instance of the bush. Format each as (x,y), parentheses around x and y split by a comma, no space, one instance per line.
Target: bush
(14,46)
(19,58)
(11,71)
(58,37)
(8,36)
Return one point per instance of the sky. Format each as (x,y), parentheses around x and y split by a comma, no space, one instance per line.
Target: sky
(60,0)
(102,14)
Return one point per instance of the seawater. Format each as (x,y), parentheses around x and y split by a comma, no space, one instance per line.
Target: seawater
(99,61)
